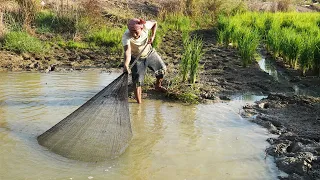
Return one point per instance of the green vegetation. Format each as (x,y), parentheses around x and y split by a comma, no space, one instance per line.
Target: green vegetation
(292,36)
(21,42)
(291,46)
(186,57)
(107,37)
(48,21)
(307,54)
(247,41)
(195,47)
(189,64)
(184,92)
(317,56)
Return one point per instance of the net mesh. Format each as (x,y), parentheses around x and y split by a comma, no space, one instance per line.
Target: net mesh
(98,130)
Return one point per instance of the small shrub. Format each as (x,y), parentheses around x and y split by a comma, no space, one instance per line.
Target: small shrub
(49,21)
(182,92)
(27,12)
(283,5)
(12,21)
(44,21)
(240,8)
(188,97)
(170,7)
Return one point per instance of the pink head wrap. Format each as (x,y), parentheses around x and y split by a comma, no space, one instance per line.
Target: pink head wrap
(136,24)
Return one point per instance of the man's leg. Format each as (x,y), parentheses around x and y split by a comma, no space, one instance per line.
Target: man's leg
(138,72)
(137,93)
(156,64)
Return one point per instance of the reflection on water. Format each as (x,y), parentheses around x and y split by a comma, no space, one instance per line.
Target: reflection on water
(267,66)
(170,141)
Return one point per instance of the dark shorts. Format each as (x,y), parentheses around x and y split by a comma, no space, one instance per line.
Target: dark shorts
(153,61)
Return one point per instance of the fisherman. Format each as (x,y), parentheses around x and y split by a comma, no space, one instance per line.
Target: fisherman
(136,40)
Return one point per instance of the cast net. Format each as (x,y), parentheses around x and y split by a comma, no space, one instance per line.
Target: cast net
(98,130)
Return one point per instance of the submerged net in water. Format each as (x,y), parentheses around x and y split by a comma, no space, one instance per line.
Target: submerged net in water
(98,130)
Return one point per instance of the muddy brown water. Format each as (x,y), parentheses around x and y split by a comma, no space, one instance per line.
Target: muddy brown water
(171,140)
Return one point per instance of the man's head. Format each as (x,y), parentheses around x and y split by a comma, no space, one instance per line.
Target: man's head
(135,27)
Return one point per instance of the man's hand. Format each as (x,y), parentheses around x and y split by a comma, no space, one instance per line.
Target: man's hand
(151,39)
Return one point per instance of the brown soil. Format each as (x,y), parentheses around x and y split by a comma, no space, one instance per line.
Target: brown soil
(59,59)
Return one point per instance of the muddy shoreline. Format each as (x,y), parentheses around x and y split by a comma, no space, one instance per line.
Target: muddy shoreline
(296,119)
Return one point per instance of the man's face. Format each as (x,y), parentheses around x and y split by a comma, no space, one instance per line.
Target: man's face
(135,33)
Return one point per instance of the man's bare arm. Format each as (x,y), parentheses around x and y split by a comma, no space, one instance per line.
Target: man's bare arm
(127,58)
(153,25)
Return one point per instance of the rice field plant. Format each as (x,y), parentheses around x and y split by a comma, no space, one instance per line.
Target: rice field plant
(189,64)
(267,25)
(247,41)
(224,30)
(307,54)
(196,55)
(286,35)
(317,56)
(242,34)
(185,60)
(291,46)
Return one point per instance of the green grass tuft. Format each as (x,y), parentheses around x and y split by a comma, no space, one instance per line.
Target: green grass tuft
(21,42)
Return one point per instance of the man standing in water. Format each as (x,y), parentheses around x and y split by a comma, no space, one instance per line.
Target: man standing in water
(134,41)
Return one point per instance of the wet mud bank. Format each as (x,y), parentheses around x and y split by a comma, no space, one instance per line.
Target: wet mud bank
(296,119)
(59,59)
(223,74)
